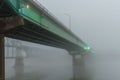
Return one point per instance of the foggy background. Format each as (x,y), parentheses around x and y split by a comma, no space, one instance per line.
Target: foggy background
(40,62)
(96,22)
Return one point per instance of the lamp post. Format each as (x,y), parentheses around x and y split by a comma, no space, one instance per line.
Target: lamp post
(69,16)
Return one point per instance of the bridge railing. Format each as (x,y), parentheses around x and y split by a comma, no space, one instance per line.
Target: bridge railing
(39,15)
(48,13)
(52,16)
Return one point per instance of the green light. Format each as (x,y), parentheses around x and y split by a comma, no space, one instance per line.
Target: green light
(87,48)
(27,6)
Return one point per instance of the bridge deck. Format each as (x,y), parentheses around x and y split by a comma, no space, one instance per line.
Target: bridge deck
(40,26)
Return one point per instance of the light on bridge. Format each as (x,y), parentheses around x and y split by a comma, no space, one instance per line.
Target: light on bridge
(87,48)
(27,6)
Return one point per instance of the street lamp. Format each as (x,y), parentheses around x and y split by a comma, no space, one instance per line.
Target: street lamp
(69,16)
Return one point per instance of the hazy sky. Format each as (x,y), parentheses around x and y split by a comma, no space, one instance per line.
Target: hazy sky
(94,21)
(97,22)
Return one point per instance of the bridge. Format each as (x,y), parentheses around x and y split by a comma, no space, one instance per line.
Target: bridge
(28,20)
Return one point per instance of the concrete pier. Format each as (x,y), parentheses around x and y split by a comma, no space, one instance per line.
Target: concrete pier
(2,60)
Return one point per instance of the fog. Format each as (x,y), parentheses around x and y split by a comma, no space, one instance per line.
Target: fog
(40,62)
(96,22)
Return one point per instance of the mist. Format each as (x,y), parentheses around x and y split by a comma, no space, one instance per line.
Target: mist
(96,22)
(40,62)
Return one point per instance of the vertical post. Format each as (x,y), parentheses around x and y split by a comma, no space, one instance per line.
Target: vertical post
(74,67)
(69,20)
(2,63)
(82,75)
(19,64)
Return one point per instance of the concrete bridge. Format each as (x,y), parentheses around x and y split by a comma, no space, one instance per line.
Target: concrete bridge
(28,20)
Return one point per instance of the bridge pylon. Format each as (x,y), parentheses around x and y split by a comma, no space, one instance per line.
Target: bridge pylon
(78,66)
(2,61)
(7,25)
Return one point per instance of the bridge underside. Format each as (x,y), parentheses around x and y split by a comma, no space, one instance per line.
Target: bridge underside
(11,26)
(33,33)
(27,32)
(5,10)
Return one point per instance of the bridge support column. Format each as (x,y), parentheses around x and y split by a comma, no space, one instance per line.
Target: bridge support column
(2,61)
(81,73)
(78,67)
(19,60)
(81,68)
(7,25)
(74,67)
(19,64)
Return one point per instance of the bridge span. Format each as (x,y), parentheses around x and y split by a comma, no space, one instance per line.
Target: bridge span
(28,20)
